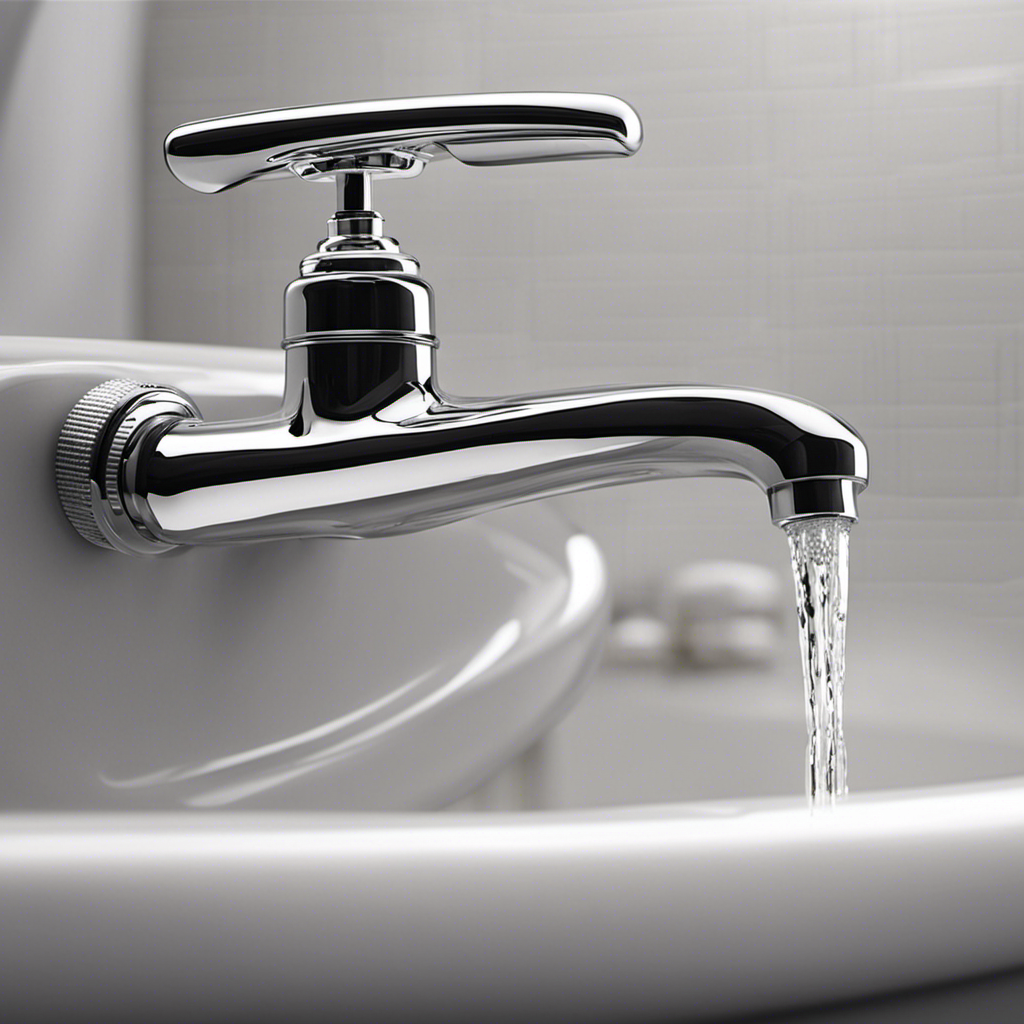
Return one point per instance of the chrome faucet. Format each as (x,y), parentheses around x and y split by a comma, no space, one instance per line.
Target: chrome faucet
(365,443)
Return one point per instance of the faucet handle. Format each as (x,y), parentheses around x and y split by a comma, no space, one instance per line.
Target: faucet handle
(399,136)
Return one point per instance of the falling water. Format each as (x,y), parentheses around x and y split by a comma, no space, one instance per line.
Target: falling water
(820,548)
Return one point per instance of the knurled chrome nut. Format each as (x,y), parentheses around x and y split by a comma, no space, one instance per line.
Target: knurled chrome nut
(91,452)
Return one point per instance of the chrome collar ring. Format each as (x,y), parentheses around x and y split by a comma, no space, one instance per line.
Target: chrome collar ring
(97,459)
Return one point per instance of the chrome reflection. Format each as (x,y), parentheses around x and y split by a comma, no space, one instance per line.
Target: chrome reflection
(413,458)
(398,136)
(365,443)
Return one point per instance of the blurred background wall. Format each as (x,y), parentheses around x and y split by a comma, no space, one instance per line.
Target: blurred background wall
(70,168)
(829,202)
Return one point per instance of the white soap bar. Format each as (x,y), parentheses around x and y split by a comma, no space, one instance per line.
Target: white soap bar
(723,613)
(709,590)
(742,640)
(638,640)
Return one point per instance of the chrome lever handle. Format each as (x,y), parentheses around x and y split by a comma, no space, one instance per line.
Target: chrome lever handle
(399,136)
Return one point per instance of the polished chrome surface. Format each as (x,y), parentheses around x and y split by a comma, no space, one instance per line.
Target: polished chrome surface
(355,293)
(358,283)
(95,448)
(397,136)
(366,445)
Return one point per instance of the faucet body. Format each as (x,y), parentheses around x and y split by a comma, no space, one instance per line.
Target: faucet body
(366,445)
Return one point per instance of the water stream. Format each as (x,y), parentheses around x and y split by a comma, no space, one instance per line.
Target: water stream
(820,548)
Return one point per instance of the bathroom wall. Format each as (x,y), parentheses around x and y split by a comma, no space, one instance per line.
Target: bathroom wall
(70,117)
(829,202)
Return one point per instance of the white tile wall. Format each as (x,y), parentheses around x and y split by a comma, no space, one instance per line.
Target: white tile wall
(829,201)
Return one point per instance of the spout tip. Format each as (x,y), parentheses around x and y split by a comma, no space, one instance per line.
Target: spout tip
(815,496)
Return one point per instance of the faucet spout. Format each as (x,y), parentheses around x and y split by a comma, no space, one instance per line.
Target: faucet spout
(390,453)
